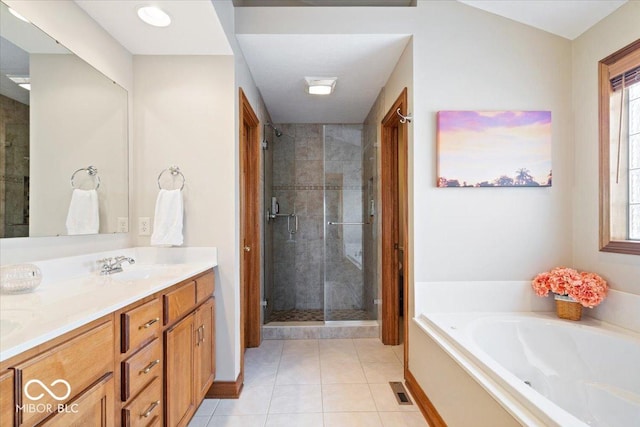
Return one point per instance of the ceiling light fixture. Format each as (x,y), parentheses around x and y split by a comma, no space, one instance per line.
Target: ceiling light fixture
(155,16)
(22,81)
(320,85)
(17,15)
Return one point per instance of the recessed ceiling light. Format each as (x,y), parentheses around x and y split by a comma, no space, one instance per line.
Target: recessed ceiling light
(320,85)
(17,15)
(22,81)
(155,16)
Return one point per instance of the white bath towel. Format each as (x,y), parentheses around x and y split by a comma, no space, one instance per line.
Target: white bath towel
(83,216)
(167,223)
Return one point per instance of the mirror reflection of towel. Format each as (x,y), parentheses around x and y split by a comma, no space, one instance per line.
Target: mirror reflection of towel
(83,216)
(167,223)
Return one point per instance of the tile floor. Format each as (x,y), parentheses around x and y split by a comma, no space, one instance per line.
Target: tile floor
(316,383)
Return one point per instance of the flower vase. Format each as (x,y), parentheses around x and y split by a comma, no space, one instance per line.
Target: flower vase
(567,307)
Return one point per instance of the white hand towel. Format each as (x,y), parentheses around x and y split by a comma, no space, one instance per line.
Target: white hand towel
(83,216)
(167,224)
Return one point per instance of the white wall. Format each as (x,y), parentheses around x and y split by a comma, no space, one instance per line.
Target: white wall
(72,27)
(611,34)
(464,59)
(202,115)
(242,79)
(184,116)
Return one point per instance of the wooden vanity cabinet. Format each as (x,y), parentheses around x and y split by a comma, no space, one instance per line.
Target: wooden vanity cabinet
(68,370)
(189,348)
(204,357)
(141,364)
(179,385)
(148,364)
(7,404)
(93,407)
(146,408)
(139,325)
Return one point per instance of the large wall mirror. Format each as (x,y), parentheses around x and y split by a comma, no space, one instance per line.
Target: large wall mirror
(59,118)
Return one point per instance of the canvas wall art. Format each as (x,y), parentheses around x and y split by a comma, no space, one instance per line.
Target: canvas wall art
(494,149)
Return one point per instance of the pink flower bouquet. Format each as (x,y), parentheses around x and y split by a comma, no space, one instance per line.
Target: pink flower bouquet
(588,289)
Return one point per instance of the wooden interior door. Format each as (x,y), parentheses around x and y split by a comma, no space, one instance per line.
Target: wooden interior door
(250,263)
(394,199)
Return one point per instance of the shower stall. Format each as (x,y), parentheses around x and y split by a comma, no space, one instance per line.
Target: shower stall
(320,216)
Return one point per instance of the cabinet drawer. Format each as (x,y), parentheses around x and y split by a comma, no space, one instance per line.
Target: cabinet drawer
(140,324)
(141,368)
(205,286)
(94,407)
(179,302)
(146,409)
(65,370)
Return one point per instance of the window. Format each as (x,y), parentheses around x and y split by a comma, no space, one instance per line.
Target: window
(620,151)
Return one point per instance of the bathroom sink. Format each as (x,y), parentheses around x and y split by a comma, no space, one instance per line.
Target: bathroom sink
(137,273)
(13,321)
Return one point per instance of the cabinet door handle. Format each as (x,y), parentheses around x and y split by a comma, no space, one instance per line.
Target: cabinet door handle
(153,406)
(199,337)
(202,339)
(149,323)
(150,366)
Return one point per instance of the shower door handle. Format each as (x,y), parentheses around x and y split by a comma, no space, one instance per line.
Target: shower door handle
(346,223)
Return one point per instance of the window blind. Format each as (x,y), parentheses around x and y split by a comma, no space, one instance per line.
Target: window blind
(628,78)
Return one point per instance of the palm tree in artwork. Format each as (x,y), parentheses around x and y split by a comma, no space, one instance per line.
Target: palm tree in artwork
(523,177)
(504,181)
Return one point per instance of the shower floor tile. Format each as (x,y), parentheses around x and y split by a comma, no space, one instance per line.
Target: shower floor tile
(318,315)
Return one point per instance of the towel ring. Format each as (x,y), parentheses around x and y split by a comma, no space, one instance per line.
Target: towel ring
(174,171)
(91,171)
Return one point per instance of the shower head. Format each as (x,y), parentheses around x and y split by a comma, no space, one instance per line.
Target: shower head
(275,130)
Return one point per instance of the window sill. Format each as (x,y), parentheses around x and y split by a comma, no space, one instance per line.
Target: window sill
(622,247)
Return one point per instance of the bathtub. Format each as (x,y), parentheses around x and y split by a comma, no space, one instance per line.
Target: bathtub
(545,371)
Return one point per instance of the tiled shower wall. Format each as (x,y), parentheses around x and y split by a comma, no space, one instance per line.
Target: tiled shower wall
(299,161)
(298,179)
(14,168)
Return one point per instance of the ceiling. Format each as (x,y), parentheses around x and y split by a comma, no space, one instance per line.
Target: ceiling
(330,3)
(194,30)
(279,63)
(566,18)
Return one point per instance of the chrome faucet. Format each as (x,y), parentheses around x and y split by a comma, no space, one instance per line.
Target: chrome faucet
(114,265)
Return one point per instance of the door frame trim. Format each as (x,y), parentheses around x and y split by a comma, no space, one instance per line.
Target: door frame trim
(390,313)
(249,292)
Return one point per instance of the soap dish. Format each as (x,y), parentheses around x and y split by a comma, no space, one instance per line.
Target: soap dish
(19,278)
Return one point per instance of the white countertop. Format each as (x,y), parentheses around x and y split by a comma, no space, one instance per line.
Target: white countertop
(62,303)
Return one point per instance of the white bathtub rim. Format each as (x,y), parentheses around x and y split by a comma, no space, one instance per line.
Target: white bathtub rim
(525,404)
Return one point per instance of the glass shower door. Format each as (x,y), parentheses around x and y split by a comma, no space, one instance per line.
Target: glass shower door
(345,295)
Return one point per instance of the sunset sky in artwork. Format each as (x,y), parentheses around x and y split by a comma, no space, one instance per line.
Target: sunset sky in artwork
(476,146)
